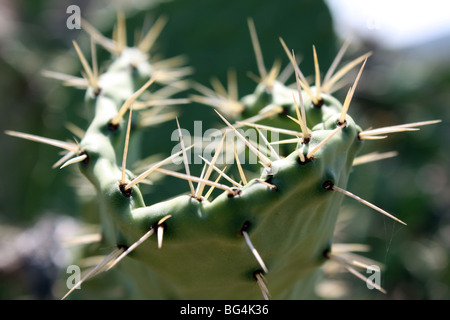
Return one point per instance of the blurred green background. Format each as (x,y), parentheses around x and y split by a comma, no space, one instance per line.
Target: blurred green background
(38,204)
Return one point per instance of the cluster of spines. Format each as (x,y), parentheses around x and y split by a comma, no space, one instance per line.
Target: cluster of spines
(76,154)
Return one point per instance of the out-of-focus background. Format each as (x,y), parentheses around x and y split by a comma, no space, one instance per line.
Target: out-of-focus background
(406,79)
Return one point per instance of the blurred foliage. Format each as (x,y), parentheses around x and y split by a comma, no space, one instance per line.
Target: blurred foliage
(405,86)
(396,87)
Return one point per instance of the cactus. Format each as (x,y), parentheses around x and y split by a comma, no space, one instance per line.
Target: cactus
(262,237)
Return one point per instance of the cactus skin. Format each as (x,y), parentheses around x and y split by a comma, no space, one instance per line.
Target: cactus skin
(204,255)
(204,237)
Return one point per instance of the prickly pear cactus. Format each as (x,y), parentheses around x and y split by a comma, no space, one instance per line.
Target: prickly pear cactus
(261,237)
